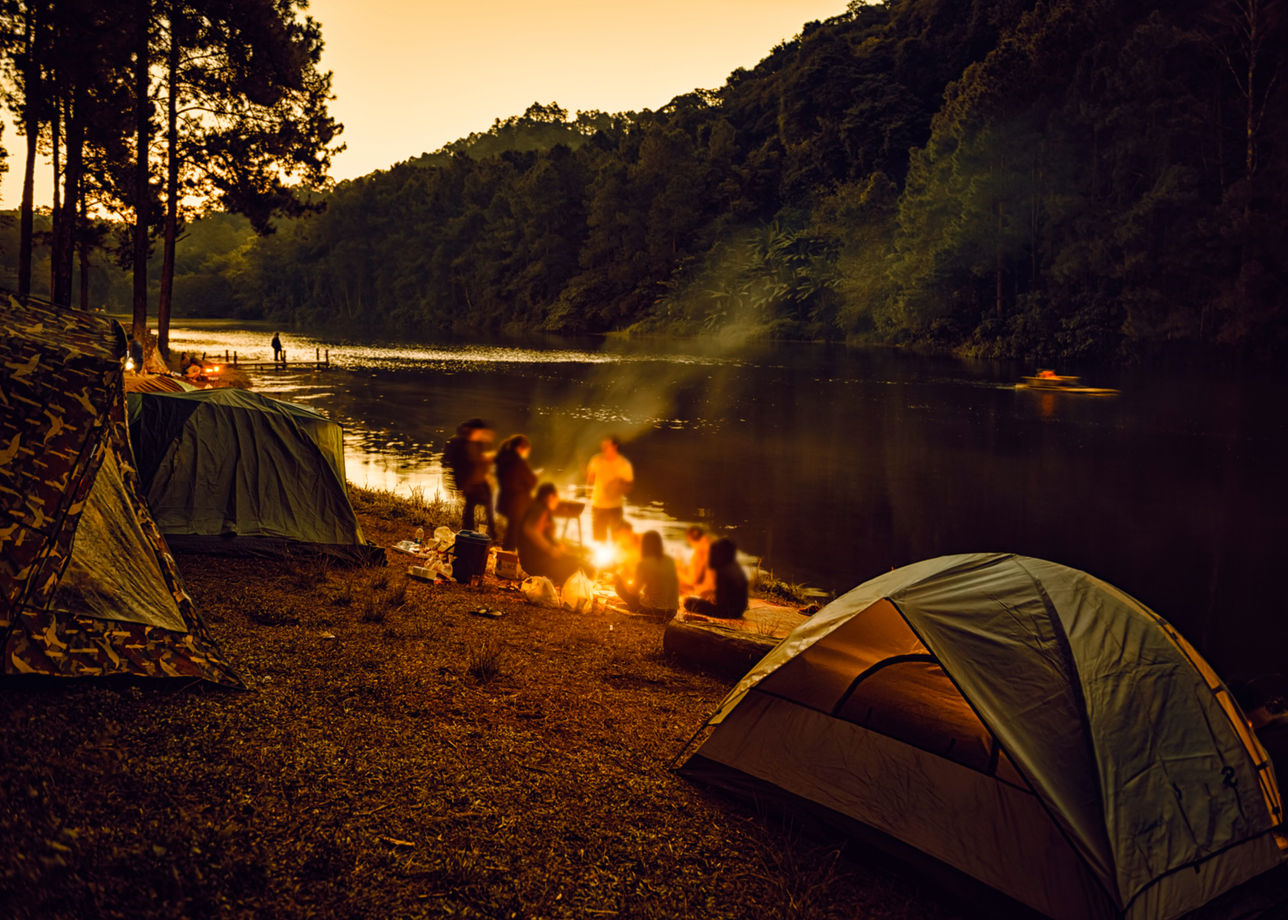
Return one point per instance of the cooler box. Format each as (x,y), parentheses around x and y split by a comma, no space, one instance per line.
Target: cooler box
(469,555)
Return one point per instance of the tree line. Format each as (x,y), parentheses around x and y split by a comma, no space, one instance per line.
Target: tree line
(1045,179)
(147,110)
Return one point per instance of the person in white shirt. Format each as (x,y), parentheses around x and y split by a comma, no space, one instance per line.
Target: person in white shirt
(611,477)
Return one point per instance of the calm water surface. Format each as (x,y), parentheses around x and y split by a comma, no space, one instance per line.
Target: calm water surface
(835,465)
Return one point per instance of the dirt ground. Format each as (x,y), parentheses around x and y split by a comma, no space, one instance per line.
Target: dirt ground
(396,755)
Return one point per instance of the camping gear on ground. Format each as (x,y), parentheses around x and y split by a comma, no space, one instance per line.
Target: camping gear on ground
(231,471)
(87,585)
(469,555)
(578,593)
(1020,721)
(507,564)
(565,512)
(540,590)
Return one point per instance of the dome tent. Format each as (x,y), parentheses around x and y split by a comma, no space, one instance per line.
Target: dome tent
(230,471)
(1020,721)
(87,585)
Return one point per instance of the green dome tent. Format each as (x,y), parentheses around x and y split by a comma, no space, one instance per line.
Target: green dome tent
(87,585)
(1020,721)
(230,471)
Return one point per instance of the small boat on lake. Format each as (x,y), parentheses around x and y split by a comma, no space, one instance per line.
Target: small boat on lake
(1046,381)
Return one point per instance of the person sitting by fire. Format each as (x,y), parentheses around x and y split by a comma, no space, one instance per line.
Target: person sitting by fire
(540,551)
(515,482)
(696,577)
(655,586)
(620,556)
(731,584)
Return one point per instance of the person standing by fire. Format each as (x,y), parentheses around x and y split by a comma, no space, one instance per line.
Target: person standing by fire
(515,482)
(611,477)
(469,457)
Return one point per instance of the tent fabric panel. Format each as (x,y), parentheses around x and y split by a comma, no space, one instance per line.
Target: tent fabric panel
(1178,893)
(992,831)
(1237,718)
(250,474)
(993,634)
(915,702)
(107,576)
(154,426)
(830,618)
(52,644)
(821,674)
(1177,779)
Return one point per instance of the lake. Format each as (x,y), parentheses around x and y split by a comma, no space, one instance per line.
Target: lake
(834,464)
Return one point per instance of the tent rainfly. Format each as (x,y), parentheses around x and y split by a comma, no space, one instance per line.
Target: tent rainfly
(1020,721)
(87,585)
(230,471)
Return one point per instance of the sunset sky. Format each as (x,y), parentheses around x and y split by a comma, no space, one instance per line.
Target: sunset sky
(412,76)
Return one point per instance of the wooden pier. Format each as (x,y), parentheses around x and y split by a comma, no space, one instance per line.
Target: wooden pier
(321,361)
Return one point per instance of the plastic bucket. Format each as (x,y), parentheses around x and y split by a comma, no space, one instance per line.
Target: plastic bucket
(469,554)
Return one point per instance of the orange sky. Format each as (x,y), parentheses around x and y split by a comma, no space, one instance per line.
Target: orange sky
(412,76)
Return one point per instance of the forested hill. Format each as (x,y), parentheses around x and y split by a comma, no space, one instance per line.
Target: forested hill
(1063,179)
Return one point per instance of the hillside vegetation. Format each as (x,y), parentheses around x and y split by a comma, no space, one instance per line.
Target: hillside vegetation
(1073,179)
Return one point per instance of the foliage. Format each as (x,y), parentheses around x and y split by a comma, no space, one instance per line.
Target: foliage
(1045,179)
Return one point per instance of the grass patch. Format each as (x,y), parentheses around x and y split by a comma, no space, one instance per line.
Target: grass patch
(485,660)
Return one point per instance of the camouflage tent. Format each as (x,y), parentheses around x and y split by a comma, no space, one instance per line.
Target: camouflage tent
(87,586)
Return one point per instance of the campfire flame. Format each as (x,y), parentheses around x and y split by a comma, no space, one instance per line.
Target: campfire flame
(604,554)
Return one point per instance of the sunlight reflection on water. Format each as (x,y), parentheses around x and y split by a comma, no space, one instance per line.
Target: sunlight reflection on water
(837,464)
(218,337)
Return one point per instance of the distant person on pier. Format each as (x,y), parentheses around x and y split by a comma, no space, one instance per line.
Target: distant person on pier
(611,477)
(279,353)
(731,584)
(469,457)
(540,551)
(515,482)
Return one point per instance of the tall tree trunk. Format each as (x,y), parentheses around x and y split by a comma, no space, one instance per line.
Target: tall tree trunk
(142,195)
(56,160)
(26,220)
(171,187)
(34,92)
(82,249)
(64,254)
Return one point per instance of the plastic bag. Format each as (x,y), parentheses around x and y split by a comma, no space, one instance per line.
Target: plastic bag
(443,539)
(578,593)
(540,590)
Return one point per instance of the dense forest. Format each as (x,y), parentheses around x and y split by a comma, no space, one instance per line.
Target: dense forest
(1072,179)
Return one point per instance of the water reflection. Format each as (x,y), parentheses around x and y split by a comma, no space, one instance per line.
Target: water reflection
(836,465)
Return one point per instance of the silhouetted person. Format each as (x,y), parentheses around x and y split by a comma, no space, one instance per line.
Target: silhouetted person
(610,476)
(136,353)
(654,586)
(469,457)
(540,552)
(731,584)
(279,353)
(515,482)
